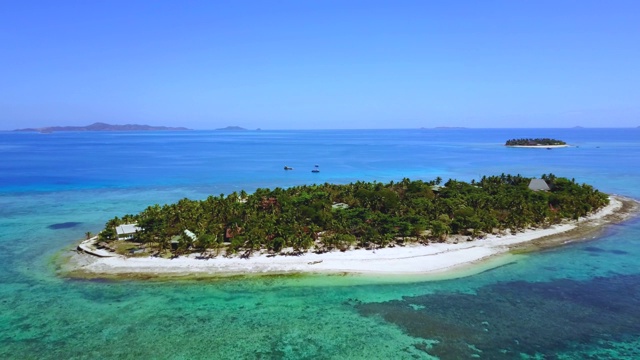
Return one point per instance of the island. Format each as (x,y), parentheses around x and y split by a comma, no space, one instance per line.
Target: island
(99,126)
(536,143)
(232,128)
(445,128)
(406,227)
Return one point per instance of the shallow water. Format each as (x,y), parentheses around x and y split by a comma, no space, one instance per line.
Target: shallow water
(575,302)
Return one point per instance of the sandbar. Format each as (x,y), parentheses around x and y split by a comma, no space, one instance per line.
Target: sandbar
(415,259)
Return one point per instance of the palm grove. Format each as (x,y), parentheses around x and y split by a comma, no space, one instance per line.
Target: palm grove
(534,142)
(360,214)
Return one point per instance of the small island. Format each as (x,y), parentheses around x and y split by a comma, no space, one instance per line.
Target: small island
(412,227)
(536,143)
(232,128)
(102,127)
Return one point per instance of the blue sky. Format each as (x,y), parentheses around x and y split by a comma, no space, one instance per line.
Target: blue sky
(324,64)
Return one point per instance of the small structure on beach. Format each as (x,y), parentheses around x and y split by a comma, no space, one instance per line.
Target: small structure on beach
(127,231)
(191,235)
(538,185)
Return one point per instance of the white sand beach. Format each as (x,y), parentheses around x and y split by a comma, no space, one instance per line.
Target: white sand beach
(411,259)
(538,146)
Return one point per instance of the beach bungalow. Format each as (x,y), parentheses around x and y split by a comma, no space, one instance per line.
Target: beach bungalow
(175,240)
(127,231)
(191,235)
(538,185)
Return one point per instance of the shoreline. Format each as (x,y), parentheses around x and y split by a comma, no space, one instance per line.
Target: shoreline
(539,146)
(435,259)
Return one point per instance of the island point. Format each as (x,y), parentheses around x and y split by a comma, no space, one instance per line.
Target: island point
(406,227)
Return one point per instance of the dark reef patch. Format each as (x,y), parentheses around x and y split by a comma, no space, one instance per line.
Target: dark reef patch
(594,249)
(64,225)
(505,319)
(619,252)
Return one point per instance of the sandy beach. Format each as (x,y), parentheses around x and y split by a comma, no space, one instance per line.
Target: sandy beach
(400,260)
(538,146)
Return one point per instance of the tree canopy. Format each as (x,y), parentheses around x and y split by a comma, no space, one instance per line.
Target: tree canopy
(360,214)
(534,142)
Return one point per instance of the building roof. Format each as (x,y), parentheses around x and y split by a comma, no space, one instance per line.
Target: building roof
(191,235)
(339,206)
(538,184)
(126,229)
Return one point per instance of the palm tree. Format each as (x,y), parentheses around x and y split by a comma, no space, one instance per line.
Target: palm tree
(377,212)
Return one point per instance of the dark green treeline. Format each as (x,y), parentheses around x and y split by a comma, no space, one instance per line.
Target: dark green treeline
(360,214)
(534,142)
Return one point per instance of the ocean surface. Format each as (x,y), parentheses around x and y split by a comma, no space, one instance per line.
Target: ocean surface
(580,301)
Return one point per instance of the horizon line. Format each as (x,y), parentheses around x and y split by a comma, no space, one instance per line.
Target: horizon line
(322,129)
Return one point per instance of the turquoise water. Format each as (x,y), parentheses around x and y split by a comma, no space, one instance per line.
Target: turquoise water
(579,301)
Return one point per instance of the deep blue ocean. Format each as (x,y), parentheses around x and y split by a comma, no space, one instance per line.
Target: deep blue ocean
(580,301)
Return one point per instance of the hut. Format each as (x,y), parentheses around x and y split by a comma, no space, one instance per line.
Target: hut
(538,185)
(191,235)
(127,231)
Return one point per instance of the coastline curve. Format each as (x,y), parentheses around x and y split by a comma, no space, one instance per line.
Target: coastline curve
(438,260)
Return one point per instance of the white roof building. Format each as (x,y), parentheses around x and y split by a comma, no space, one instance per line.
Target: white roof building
(126,231)
(191,235)
(538,184)
(339,206)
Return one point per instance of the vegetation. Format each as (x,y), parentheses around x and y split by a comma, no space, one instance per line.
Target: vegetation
(534,142)
(361,214)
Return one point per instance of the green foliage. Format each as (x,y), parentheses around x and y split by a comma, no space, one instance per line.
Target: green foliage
(108,234)
(378,214)
(206,241)
(534,142)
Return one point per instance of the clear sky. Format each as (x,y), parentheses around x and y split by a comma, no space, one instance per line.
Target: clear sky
(320,64)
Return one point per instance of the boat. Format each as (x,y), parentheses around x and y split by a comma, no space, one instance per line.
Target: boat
(288,168)
(315,171)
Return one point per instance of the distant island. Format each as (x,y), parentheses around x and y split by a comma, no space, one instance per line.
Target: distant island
(99,126)
(233,128)
(536,143)
(444,128)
